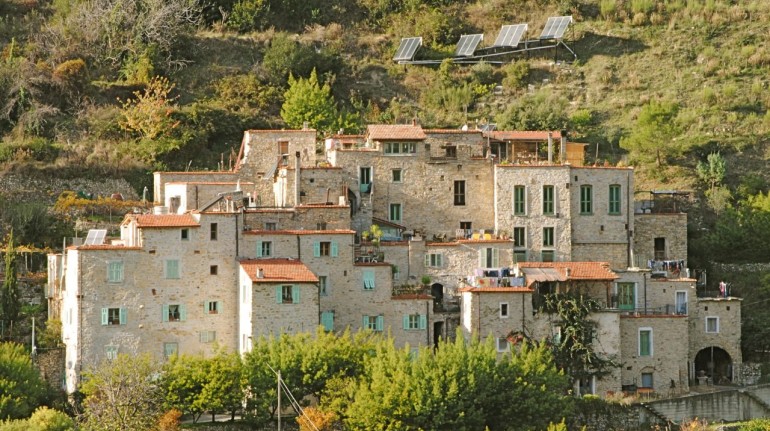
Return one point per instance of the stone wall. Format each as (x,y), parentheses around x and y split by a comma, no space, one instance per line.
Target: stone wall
(161,178)
(672,227)
(724,406)
(307,217)
(47,189)
(728,335)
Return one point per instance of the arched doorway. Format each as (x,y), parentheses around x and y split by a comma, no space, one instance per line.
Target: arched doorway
(715,363)
(437,292)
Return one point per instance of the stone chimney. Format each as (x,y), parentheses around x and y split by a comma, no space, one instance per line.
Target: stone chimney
(260,273)
(563,147)
(550,148)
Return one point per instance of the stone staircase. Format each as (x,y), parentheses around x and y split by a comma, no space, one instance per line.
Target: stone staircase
(657,414)
(757,400)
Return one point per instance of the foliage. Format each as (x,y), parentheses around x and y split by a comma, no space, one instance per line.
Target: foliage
(755,425)
(21,389)
(45,419)
(285,56)
(50,337)
(170,420)
(245,92)
(10,303)
(248,15)
(148,114)
(654,134)
(713,172)
(593,412)
(122,394)
(32,223)
(183,381)
(306,101)
(516,74)
(316,420)
(541,111)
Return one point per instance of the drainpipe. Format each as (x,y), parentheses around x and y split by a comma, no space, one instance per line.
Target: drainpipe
(299,252)
(644,278)
(296,178)
(428,324)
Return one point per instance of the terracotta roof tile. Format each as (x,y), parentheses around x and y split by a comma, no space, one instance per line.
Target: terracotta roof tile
(278,270)
(411,296)
(496,289)
(300,232)
(163,220)
(578,270)
(103,247)
(524,135)
(380,132)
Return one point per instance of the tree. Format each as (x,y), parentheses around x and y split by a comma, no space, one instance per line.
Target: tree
(45,419)
(10,304)
(122,394)
(306,101)
(541,111)
(712,172)
(184,378)
(21,389)
(654,134)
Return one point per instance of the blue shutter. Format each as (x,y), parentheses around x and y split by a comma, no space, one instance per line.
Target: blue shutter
(366,323)
(316,249)
(295,294)
(205,307)
(278,295)
(380,323)
(123,316)
(165,313)
(182,312)
(335,251)
(423,321)
(259,248)
(406,321)
(105,318)
(327,320)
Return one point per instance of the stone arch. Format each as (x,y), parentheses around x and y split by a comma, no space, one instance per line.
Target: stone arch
(715,363)
(437,291)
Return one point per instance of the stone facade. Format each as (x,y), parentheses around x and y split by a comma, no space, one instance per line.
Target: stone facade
(660,237)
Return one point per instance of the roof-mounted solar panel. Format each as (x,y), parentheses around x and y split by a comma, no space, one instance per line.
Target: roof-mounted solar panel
(555,27)
(96,237)
(467,44)
(510,35)
(407,48)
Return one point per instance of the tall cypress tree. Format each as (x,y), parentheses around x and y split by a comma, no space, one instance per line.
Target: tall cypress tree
(9,295)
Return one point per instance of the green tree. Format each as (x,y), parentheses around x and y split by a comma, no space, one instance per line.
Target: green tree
(45,419)
(654,134)
(307,101)
(223,391)
(540,111)
(184,378)
(713,172)
(21,389)
(10,304)
(122,394)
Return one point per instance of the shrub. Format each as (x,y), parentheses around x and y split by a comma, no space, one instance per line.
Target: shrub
(608,9)
(45,419)
(516,74)
(70,70)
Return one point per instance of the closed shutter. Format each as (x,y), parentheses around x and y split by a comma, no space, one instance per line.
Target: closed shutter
(259,248)
(182,312)
(123,316)
(316,249)
(278,295)
(295,294)
(423,321)
(335,251)
(165,313)
(406,321)
(105,316)
(427,260)
(366,322)
(380,323)
(327,320)
(368,280)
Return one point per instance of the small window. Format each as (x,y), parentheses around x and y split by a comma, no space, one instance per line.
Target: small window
(271,225)
(519,200)
(208,336)
(434,260)
(326,248)
(174,313)
(647,380)
(503,310)
(712,324)
(459,194)
(645,341)
(548,233)
(503,345)
(395,212)
(548,200)
(211,307)
(368,276)
(375,323)
(115,271)
(323,285)
(111,352)
(520,255)
(214,231)
(320,225)
(113,316)
(170,349)
(614,207)
(450,151)
(214,269)
(547,256)
(586,199)
(415,322)
(489,257)
(396,175)
(172,268)
(264,248)
(185,234)
(287,294)
(519,237)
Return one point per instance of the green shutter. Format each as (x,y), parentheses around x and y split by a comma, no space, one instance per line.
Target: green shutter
(123,316)
(105,314)
(259,248)
(327,320)
(495,258)
(427,259)
(335,250)
(295,294)
(205,307)
(423,321)
(380,323)
(406,321)
(278,294)
(182,312)
(165,313)
(316,249)
(366,323)
(644,343)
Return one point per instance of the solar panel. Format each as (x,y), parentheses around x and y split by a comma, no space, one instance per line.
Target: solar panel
(96,237)
(555,27)
(510,35)
(468,44)
(407,48)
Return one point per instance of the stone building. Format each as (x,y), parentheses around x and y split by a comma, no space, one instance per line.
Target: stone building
(475,229)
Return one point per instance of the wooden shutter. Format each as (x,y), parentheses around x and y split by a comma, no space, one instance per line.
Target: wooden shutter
(259,248)
(380,323)
(335,250)
(406,321)
(366,322)
(182,312)
(105,316)
(123,315)
(327,320)
(295,294)
(165,313)
(279,294)
(316,249)
(423,321)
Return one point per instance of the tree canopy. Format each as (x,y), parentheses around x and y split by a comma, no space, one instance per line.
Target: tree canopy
(21,390)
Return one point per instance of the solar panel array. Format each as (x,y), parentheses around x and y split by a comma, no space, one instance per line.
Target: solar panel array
(407,48)
(555,27)
(96,237)
(467,44)
(510,35)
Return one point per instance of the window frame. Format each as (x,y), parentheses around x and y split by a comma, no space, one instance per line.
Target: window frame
(170,349)
(586,199)
(625,305)
(548,255)
(115,267)
(415,322)
(325,249)
(168,272)
(505,311)
(434,260)
(174,313)
(459,193)
(212,307)
(395,209)
(549,236)
(214,231)
(114,316)
(519,200)
(323,285)
(368,280)
(376,325)
(397,178)
(549,201)
(649,351)
(207,336)
(185,234)
(499,342)
(519,233)
(714,319)
(264,248)
(111,352)
(614,200)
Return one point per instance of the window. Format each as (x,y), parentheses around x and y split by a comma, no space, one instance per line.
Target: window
(586,199)
(399,148)
(327,320)
(185,234)
(645,341)
(548,198)
(271,225)
(450,151)
(547,256)
(548,236)
(287,294)
(323,285)
(614,199)
(115,271)
(434,260)
(712,324)
(489,257)
(502,344)
(365,179)
(368,276)
(211,307)
(375,323)
(520,255)
(519,200)
(214,269)
(587,385)
(174,313)
(264,248)
(396,175)
(208,336)
(659,245)
(283,147)
(459,192)
(647,381)
(172,268)
(213,231)
(519,237)
(627,296)
(325,248)
(113,316)
(415,322)
(170,349)
(395,212)
(111,352)
(320,225)
(503,310)
(681,302)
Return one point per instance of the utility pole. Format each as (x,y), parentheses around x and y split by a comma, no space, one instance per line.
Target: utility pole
(279,400)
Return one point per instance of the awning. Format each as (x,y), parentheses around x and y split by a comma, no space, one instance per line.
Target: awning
(533,275)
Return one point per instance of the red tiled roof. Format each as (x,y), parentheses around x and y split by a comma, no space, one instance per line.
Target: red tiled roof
(300,232)
(411,296)
(380,132)
(214,183)
(578,270)
(102,247)
(164,220)
(278,270)
(452,131)
(196,173)
(496,289)
(524,135)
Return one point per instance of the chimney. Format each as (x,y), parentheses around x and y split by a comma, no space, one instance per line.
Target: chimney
(296,178)
(260,273)
(414,121)
(563,148)
(305,125)
(567,271)
(550,148)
